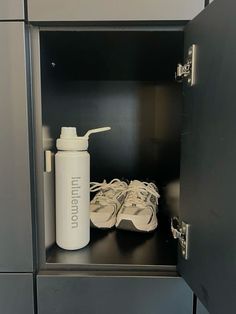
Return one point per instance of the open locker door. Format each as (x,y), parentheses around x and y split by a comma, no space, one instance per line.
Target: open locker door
(208,169)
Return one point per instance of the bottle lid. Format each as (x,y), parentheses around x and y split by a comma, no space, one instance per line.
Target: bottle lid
(69,140)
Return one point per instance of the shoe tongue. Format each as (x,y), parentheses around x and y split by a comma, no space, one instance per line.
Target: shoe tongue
(135,194)
(108,192)
(136,183)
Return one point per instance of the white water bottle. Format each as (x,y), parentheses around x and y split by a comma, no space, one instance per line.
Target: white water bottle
(72,171)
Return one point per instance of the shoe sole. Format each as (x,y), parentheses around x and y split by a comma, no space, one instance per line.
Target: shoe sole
(126,224)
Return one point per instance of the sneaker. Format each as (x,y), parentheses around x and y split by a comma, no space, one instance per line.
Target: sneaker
(106,203)
(138,212)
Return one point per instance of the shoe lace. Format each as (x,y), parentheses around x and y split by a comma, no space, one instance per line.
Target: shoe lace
(106,191)
(137,194)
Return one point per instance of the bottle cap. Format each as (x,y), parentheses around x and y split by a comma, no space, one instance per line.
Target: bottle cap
(69,140)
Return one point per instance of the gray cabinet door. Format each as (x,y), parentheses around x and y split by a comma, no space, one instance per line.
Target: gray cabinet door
(113,10)
(11,10)
(16,294)
(208,201)
(61,293)
(15,208)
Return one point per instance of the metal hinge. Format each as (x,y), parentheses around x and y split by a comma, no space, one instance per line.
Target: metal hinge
(180,231)
(187,71)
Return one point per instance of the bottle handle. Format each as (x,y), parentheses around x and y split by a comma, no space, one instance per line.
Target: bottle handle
(96,131)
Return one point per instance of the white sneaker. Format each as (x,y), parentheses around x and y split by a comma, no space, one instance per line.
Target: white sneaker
(107,202)
(138,212)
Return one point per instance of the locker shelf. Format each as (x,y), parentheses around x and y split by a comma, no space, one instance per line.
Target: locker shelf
(119,248)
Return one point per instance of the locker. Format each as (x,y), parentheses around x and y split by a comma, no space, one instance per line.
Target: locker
(101,294)
(90,10)
(96,73)
(16,295)
(12,10)
(15,190)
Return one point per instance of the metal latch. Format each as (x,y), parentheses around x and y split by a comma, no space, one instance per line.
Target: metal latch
(187,71)
(180,231)
(48,161)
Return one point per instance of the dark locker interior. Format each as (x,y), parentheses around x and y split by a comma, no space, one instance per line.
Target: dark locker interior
(126,80)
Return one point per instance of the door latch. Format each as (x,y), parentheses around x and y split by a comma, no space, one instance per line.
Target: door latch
(187,71)
(180,231)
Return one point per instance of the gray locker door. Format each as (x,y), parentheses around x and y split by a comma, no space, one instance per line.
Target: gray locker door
(15,208)
(11,9)
(16,294)
(208,176)
(73,294)
(113,10)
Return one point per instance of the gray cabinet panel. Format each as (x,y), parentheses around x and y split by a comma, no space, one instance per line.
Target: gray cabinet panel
(11,10)
(16,294)
(108,10)
(15,209)
(132,295)
(208,159)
